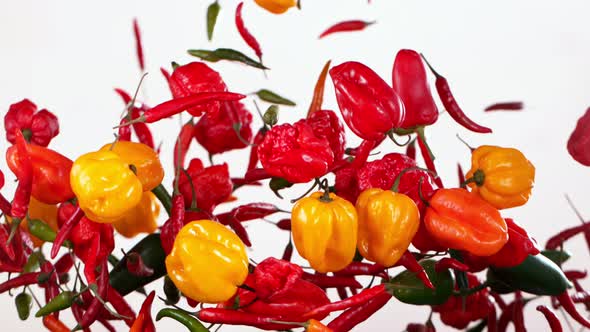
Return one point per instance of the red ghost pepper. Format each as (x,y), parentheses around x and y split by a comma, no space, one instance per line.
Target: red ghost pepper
(212,185)
(325,124)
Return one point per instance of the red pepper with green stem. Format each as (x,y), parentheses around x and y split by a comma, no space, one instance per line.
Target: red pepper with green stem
(558,239)
(258,138)
(142,131)
(428,158)
(566,302)
(245,34)
(65,229)
(120,305)
(20,281)
(346,26)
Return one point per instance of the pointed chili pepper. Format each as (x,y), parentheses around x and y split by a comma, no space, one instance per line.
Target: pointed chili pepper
(233,317)
(182,317)
(409,262)
(64,264)
(91,314)
(143,322)
(143,132)
(450,263)
(54,325)
(121,306)
(450,104)
(65,230)
(568,305)
(363,269)
(138,44)
(288,252)
(253,159)
(136,266)
(505,106)
(50,283)
(559,238)
(346,26)
(22,280)
(411,150)
(245,34)
(356,315)
(428,159)
(173,225)
(551,317)
(318,91)
(183,143)
(352,301)
(22,196)
(460,174)
(575,274)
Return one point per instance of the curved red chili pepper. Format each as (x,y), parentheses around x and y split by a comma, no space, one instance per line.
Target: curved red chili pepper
(318,91)
(362,154)
(124,132)
(183,143)
(558,239)
(581,297)
(22,196)
(346,26)
(551,318)
(411,150)
(575,274)
(143,132)
(173,225)
(288,252)
(22,280)
(65,230)
(354,316)
(121,306)
(64,264)
(363,269)
(451,105)
(138,44)
(246,35)
(568,305)
(518,315)
(409,262)
(166,74)
(492,319)
(506,106)
(428,160)
(460,174)
(350,302)
(91,314)
(234,317)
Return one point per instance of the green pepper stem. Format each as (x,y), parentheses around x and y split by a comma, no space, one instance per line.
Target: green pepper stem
(164,197)
(478,178)
(398,178)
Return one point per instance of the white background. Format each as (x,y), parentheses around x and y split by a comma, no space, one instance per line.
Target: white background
(68,55)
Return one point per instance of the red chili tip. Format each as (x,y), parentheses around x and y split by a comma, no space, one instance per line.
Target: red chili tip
(568,305)
(505,106)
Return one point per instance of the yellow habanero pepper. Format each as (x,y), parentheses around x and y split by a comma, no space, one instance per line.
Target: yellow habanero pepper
(501,176)
(141,219)
(105,186)
(145,160)
(207,262)
(276,6)
(388,222)
(324,230)
(47,213)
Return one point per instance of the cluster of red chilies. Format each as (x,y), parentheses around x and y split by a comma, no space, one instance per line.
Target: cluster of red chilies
(439,270)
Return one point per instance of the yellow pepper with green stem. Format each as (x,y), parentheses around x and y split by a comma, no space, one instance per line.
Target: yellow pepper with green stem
(207,262)
(141,219)
(105,186)
(388,222)
(324,229)
(501,176)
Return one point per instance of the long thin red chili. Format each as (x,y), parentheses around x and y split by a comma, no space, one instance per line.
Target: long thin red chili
(22,280)
(138,44)
(64,264)
(411,150)
(581,297)
(362,269)
(256,174)
(352,301)
(121,306)
(575,274)
(324,281)
(346,26)
(460,174)
(551,317)
(568,305)
(124,132)
(22,196)
(505,106)
(288,252)
(183,143)
(284,224)
(451,105)
(253,211)
(428,160)
(450,263)
(363,154)
(559,238)
(50,284)
(492,319)
(246,35)
(342,294)
(234,317)
(91,314)
(409,262)
(64,231)
(78,312)
(318,91)
(499,300)
(143,132)
(166,74)
(240,230)
(354,316)
(506,317)
(518,315)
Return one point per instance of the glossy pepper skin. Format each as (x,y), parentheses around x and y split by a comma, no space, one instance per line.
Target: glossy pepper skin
(326,124)
(325,231)
(369,106)
(410,82)
(215,132)
(501,176)
(212,185)
(141,219)
(196,77)
(276,6)
(39,128)
(51,173)
(143,158)
(454,313)
(578,144)
(387,222)
(207,262)
(295,153)
(47,213)
(105,186)
(462,220)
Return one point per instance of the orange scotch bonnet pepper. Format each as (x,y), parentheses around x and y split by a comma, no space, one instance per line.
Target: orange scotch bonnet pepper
(501,176)
(462,220)
(324,229)
(141,219)
(207,262)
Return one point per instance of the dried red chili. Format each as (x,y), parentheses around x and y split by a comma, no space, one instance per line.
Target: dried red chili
(505,106)
(138,44)
(552,319)
(356,315)
(346,26)
(39,128)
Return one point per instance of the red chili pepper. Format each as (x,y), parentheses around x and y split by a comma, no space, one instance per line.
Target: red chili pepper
(239,229)
(173,225)
(65,230)
(362,154)
(22,280)
(325,281)
(342,294)
(559,238)
(428,160)
(551,318)
(575,274)
(91,314)
(212,185)
(175,106)
(577,144)
(363,269)
(64,264)
(346,26)
(253,160)
(362,297)
(183,143)
(460,174)
(318,91)
(138,45)
(284,224)
(50,283)
(499,300)
(518,315)
(450,263)
(409,262)
(288,252)
(246,35)
(144,322)
(143,132)
(356,315)
(416,327)
(233,317)
(505,106)
(22,196)
(136,266)
(121,306)
(78,312)
(411,150)
(450,104)
(54,325)
(369,106)
(410,82)
(93,242)
(492,318)
(253,211)
(40,127)
(568,305)
(124,132)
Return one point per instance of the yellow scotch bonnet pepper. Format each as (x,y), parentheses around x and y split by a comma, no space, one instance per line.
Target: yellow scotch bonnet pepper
(324,231)
(388,222)
(141,219)
(276,6)
(105,186)
(145,160)
(501,176)
(207,262)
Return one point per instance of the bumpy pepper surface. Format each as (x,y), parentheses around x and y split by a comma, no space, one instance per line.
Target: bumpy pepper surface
(145,160)
(462,220)
(501,176)
(387,223)
(39,128)
(326,124)
(325,231)
(212,185)
(207,262)
(141,219)
(105,186)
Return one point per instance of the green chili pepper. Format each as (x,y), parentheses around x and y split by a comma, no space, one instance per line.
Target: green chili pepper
(226,54)
(62,301)
(113,260)
(557,256)
(408,288)
(172,293)
(536,275)
(41,230)
(212,13)
(150,249)
(34,262)
(184,318)
(271,116)
(274,98)
(164,197)
(23,302)
(277,184)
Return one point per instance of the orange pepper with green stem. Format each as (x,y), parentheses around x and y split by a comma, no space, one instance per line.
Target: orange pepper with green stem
(501,176)
(141,219)
(324,228)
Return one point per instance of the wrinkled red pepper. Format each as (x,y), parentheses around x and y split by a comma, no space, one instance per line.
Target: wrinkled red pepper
(325,124)
(93,242)
(39,128)
(212,185)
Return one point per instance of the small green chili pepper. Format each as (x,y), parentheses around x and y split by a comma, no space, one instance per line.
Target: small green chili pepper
(23,302)
(172,293)
(33,263)
(271,116)
(41,230)
(557,256)
(62,301)
(274,98)
(184,318)
(536,275)
(408,288)
(226,54)
(212,13)
(277,184)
